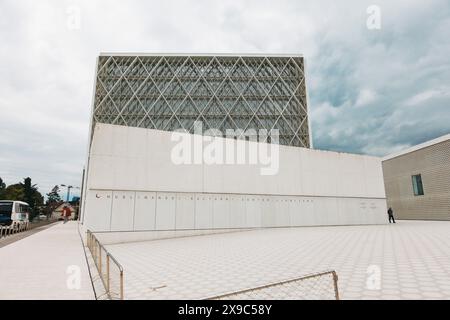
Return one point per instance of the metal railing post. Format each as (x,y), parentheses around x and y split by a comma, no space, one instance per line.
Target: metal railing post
(96,249)
(95,253)
(121,284)
(100,258)
(335,281)
(108,284)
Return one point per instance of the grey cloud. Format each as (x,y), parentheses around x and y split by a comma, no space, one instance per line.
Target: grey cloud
(47,69)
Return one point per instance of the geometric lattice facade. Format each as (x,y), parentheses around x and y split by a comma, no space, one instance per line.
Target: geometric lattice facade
(170,92)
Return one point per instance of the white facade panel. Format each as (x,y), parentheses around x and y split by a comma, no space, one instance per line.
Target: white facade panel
(346,211)
(145,211)
(104,141)
(102,170)
(296,215)
(204,207)
(282,217)
(254,211)
(221,212)
(120,138)
(99,205)
(185,219)
(122,213)
(163,174)
(320,215)
(238,218)
(373,171)
(332,206)
(166,211)
(353,168)
(269,212)
(307,207)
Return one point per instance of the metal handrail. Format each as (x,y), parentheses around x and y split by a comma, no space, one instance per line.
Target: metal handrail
(96,248)
(316,275)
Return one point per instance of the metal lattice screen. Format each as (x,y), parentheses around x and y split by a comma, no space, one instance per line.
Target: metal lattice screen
(223,92)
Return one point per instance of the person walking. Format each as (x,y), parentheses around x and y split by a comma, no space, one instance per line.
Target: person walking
(66,213)
(391,215)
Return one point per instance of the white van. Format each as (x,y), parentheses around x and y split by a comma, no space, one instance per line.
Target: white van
(13,213)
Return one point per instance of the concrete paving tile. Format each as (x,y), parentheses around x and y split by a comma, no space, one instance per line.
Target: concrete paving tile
(412,257)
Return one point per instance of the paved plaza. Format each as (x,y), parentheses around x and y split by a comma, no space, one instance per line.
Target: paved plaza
(49,265)
(413,258)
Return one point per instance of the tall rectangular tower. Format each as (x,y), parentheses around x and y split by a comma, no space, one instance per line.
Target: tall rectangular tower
(170,92)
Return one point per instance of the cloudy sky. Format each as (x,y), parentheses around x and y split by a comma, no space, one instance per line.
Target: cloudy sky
(372,91)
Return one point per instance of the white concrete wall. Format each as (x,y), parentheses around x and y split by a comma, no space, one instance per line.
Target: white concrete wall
(117,211)
(132,184)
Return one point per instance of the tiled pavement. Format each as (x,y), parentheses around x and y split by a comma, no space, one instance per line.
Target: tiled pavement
(47,265)
(412,256)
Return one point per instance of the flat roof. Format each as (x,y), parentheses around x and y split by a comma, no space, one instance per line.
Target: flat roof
(146,54)
(417,147)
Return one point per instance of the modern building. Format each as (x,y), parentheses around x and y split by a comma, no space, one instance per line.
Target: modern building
(170,92)
(136,180)
(417,181)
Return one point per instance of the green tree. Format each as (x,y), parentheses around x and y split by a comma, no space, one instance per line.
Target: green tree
(53,196)
(2,188)
(31,193)
(53,200)
(32,196)
(26,192)
(14,192)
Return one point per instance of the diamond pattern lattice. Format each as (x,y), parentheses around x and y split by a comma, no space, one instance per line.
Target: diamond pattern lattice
(224,92)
